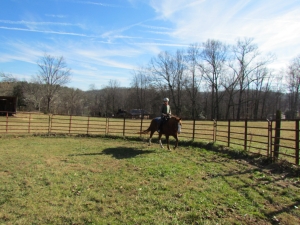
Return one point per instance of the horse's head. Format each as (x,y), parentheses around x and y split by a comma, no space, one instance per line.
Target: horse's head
(178,123)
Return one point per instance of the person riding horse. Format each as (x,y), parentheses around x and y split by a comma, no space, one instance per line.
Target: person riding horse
(165,113)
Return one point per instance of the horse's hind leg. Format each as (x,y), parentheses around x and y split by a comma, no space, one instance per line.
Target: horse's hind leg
(150,137)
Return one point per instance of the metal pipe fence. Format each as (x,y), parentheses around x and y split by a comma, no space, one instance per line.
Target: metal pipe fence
(259,137)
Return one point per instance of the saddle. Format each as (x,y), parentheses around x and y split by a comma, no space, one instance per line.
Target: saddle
(159,119)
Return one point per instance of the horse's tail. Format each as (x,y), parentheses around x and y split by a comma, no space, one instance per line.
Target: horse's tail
(145,131)
(152,127)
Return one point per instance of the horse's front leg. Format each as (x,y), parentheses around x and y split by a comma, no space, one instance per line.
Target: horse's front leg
(167,138)
(159,140)
(176,143)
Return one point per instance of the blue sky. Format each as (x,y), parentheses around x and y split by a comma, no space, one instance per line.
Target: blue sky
(104,40)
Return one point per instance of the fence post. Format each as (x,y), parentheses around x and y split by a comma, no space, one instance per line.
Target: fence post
(29,123)
(70,124)
(194,125)
(277,135)
(141,126)
(124,126)
(49,124)
(6,122)
(269,150)
(246,135)
(88,126)
(107,126)
(228,135)
(297,142)
(215,131)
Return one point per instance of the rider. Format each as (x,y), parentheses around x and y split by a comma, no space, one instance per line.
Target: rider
(165,113)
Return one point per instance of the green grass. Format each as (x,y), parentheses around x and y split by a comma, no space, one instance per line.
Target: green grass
(88,180)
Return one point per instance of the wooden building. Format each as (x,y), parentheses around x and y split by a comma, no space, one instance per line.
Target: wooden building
(8,104)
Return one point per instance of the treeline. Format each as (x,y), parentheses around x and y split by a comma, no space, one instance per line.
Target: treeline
(108,100)
(210,80)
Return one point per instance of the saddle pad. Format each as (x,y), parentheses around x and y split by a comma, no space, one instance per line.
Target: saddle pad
(157,119)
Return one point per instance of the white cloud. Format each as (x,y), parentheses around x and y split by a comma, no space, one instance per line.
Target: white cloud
(274,25)
(98,4)
(45,31)
(27,23)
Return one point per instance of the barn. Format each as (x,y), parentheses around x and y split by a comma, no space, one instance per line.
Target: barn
(8,104)
(138,113)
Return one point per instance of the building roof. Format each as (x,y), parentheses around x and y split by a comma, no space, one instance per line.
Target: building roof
(138,112)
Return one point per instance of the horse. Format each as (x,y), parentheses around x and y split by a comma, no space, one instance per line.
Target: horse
(172,127)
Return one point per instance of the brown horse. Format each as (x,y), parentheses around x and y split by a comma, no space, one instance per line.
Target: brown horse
(171,127)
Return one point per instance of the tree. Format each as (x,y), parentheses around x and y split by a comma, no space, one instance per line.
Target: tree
(260,91)
(94,102)
(293,80)
(18,92)
(193,79)
(229,83)
(140,83)
(34,94)
(53,73)
(167,73)
(246,62)
(212,67)
(110,96)
(71,102)
(8,82)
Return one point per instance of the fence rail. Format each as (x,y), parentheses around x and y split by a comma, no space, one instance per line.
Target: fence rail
(253,136)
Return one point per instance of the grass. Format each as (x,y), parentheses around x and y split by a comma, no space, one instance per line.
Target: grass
(88,180)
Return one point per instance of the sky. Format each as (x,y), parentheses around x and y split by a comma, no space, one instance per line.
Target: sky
(103,40)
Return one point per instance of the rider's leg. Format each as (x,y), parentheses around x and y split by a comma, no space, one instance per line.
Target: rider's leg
(160,124)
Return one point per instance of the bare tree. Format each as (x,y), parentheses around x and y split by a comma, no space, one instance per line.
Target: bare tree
(53,73)
(246,61)
(140,83)
(110,97)
(293,80)
(212,67)
(94,102)
(71,102)
(7,77)
(167,71)
(192,80)
(260,89)
(229,84)
(34,94)
(8,82)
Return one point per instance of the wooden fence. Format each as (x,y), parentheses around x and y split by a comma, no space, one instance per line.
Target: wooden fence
(275,139)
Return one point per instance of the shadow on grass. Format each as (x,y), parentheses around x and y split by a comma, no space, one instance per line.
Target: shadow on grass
(123,153)
(261,161)
(118,152)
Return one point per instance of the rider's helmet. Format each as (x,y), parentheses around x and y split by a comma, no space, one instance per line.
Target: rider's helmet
(166,99)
